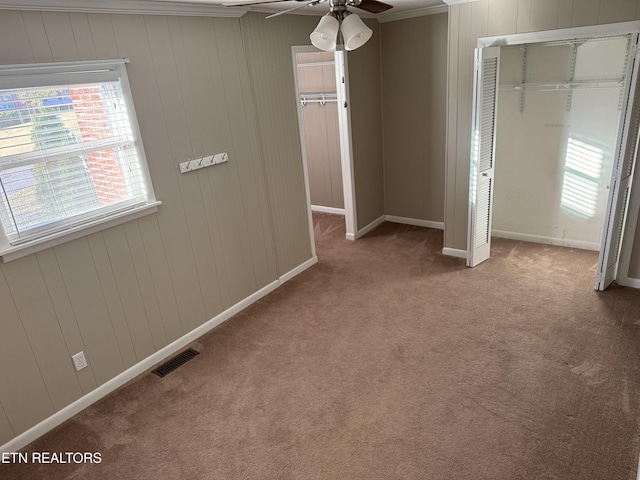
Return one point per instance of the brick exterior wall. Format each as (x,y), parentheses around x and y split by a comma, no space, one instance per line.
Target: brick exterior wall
(106,172)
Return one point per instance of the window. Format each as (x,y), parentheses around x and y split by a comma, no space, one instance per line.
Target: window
(70,154)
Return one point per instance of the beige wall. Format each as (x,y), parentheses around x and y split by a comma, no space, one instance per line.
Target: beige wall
(268,45)
(321,132)
(124,293)
(468,22)
(365,91)
(414,74)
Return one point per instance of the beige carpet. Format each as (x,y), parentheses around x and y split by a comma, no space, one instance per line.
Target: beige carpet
(388,360)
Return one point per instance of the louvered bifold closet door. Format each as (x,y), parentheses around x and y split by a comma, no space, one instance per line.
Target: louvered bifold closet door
(621,179)
(483,144)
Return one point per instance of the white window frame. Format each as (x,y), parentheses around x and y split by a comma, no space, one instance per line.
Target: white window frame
(66,73)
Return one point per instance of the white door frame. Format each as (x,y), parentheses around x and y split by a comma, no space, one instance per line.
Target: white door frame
(567,34)
(629,234)
(621,182)
(344,127)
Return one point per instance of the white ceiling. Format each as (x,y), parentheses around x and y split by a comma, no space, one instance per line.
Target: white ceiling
(401,8)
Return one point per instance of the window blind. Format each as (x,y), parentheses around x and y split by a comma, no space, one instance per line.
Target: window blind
(67,155)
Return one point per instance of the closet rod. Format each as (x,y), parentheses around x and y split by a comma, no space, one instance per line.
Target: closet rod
(321,98)
(319,94)
(571,41)
(316,64)
(552,87)
(326,100)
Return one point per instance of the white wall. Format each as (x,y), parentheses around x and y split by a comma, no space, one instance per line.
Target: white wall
(553,166)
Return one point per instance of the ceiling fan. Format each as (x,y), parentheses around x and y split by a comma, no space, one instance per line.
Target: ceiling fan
(339,20)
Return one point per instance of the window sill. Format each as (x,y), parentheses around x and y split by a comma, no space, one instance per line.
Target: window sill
(18,251)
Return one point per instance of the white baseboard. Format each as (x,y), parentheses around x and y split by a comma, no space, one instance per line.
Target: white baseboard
(560,242)
(629,282)
(371,226)
(454,252)
(392,218)
(333,210)
(103,390)
(298,270)
(415,221)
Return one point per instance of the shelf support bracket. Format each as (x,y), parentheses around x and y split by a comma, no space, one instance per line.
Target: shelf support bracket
(572,75)
(524,77)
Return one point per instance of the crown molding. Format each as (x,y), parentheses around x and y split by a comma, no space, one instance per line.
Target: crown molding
(416,12)
(125,6)
(457,2)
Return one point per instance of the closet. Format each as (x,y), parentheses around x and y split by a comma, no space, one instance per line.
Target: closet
(316,78)
(558,114)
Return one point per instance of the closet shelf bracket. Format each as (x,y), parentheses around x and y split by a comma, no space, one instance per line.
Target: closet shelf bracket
(524,77)
(572,75)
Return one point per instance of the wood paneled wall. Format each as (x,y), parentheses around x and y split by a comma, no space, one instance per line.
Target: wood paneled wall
(467,23)
(365,93)
(414,74)
(268,46)
(269,53)
(124,293)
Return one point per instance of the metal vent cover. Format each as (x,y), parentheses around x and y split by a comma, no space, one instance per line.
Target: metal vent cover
(177,361)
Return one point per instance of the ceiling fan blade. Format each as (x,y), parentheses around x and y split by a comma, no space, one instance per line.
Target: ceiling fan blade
(309,4)
(237,3)
(290,10)
(372,6)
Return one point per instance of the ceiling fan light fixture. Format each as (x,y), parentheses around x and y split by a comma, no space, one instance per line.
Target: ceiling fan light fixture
(354,31)
(326,33)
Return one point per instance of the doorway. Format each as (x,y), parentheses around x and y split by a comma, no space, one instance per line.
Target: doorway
(321,86)
(559,106)
(559,117)
(319,105)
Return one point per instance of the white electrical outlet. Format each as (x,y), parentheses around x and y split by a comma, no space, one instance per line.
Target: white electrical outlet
(79,361)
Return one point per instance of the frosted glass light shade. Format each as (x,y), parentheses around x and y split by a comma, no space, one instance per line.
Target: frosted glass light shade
(354,32)
(326,33)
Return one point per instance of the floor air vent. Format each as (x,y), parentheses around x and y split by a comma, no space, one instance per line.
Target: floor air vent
(177,361)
